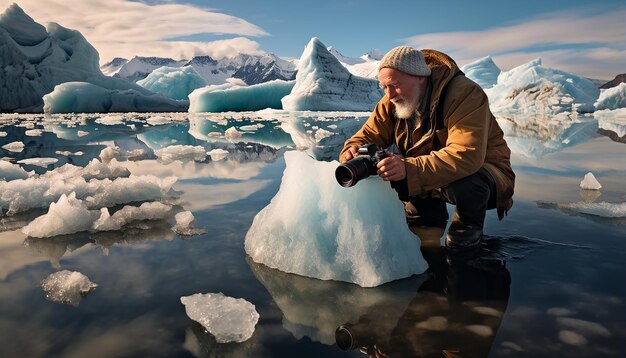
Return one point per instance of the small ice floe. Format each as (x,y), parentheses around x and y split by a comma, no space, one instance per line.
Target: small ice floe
(218,154)
(251,127)
(322,133)
(68,215)
(232,133)
(82,133)
(184,224)
(181,152)
(228,319)
(128,214)
(590,182)
(68,287)
(603,209)
(67,153)
(3,134)
(14,147)
(10,171)
(159,120)
(34,132)
(40,162)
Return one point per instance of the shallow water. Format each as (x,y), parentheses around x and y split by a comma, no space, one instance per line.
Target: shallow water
(548,282)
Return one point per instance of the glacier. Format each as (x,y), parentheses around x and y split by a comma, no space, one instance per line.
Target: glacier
(314,227)
(36,59)
(231,97)
(482,71)
(173,82)
(323,84)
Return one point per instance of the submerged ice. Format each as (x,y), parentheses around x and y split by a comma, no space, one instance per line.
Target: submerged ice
(228,319)
(314,227)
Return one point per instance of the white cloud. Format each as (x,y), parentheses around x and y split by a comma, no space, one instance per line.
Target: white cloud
(125,28)
(560,37)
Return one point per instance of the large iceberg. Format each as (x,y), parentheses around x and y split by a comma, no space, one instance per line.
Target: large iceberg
(323,84)
(316,228)
(36,59)
(482,71)
(230,97)
(532,89)
(173,82)
(612,98)
(85,97)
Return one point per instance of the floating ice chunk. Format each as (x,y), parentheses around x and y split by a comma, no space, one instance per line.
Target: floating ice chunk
(3,134)
(218,154)
(40,162)
(322,133)
(173,82)
(82,133)
(14,146)
(110,120)
(159,120)
(251,127)
(316,228)
(109,153)
(147,211)
(67,153)
(131,189)
(232,133)
(10,171)
(604,209)
(66,216)
(68,287)
(34,132)
(228,319)
(184,224)
(590,182)
(232,97)
(612,98)
(181,152)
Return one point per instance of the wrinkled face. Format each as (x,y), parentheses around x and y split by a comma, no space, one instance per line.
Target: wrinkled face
(403,90)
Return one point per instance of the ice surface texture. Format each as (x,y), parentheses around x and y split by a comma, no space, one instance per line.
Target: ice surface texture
(230,97)
(482,71)
(175,83)
(316,228)
(612,98)
(68,287)
(228,319)
(323,84)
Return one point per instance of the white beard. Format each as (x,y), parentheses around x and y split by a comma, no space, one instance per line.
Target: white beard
(403,109)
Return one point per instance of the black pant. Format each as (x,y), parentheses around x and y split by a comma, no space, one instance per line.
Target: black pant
(472,197)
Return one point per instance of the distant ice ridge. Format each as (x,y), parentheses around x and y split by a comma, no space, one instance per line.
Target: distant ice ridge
(175,83)
(531,89)
(323,84)
(67,287)
(482,71)
(612,98)
(228,319)
(37,59)
(314,227)
(231,97)
(85,97)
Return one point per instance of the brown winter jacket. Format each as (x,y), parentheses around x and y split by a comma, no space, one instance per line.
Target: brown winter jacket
(467,138)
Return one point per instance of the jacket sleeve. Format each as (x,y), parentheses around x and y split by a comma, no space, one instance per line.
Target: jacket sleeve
(378,129)
(467,117)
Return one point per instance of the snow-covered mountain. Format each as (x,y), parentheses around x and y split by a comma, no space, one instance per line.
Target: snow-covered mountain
(364,66)
(112,67)
(36,59)
(265,68)
(139,67)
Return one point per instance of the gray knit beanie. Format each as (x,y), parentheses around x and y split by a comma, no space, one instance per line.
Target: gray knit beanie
(405,59)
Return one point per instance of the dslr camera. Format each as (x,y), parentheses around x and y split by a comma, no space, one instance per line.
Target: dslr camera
(360,167)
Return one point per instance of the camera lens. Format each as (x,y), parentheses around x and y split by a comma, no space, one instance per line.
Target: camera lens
(345,340)
(349,173)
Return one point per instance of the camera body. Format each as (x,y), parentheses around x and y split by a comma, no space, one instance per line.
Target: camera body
(360,167)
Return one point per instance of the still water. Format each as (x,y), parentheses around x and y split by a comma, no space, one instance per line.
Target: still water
(549,282)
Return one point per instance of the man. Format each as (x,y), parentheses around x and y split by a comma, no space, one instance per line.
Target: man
(451,147)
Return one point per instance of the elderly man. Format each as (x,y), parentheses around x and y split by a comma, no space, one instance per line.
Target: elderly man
(451,147)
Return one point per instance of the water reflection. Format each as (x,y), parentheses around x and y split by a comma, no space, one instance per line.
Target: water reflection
(536,136)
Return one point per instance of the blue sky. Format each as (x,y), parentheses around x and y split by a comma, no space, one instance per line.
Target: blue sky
(583,37)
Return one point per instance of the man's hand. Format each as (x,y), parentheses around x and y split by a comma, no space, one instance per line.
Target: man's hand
(391,168)
(352,152)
